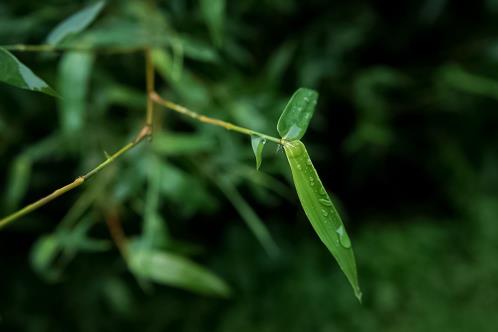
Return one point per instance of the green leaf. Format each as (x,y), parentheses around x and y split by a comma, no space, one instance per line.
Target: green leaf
(258,143)
(213,12)
(154,233)
(297,114)
(173,270)
(18,181)
(44,252)
(321,211)
(73,80)
(181,144)
(250,217)
(15,73)
(75,23)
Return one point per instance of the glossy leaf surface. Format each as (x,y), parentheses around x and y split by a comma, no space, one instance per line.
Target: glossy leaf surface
(15,73)
(258,144)
(295,118)
(321,211)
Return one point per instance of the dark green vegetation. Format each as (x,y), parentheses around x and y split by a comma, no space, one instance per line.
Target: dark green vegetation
(404,136)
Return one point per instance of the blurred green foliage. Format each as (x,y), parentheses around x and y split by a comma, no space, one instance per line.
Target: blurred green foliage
(404,135)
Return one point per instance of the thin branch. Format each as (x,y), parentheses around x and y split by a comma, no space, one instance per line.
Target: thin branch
(145,132)
(202,118)
(64,48)
(117,233)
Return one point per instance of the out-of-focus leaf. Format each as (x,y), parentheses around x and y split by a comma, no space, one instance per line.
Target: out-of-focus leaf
(177,184)
(370,90)
(74,73)
(295,118)
(213,12)
(197,50)
(173,270)
(117,294)
(44,252)
(76,239)
(154,234)
(258,143)
(279,62)
(250,217)
(63,245)
(75,23)
(181,144)
(120,32)
(18,181)
(15,73)
(20,169)
(458,78)
(187,86)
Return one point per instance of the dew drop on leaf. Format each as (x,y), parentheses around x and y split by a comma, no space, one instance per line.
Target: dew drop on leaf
(343,237)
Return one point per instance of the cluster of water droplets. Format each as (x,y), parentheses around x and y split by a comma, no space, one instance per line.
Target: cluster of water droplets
(326,204)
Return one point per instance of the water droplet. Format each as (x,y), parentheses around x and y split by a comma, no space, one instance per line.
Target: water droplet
(308,162)
(299,166)
(323,191)
(343,237)
(324,212)
(325,202)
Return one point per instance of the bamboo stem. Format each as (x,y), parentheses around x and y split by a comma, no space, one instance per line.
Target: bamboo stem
(202,118)
(145,132)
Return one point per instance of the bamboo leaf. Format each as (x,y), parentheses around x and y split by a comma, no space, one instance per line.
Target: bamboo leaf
(213,12)
(44,252)
(75,23)
(75,70)
(15,73)
(321,211)
(258,144)
(295,118)
(173,270)
(250,217)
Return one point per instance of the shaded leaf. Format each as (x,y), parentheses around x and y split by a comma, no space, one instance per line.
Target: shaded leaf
(181,144)
(258,144)
(74,73)
(250,217)
(44,252)
(15,73)
(18,181)
(173,270)
(296,116)
(75,23)
(154,233)
(213,12)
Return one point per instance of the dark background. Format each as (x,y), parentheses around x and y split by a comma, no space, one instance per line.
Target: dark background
(405,137)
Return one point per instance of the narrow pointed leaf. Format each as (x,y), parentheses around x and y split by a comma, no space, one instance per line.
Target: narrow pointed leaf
(213,12)
(250,217)
(75,23)
(296,116)
(15,73)
(321,211)
(258,144)
(173,270)
(75,70)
